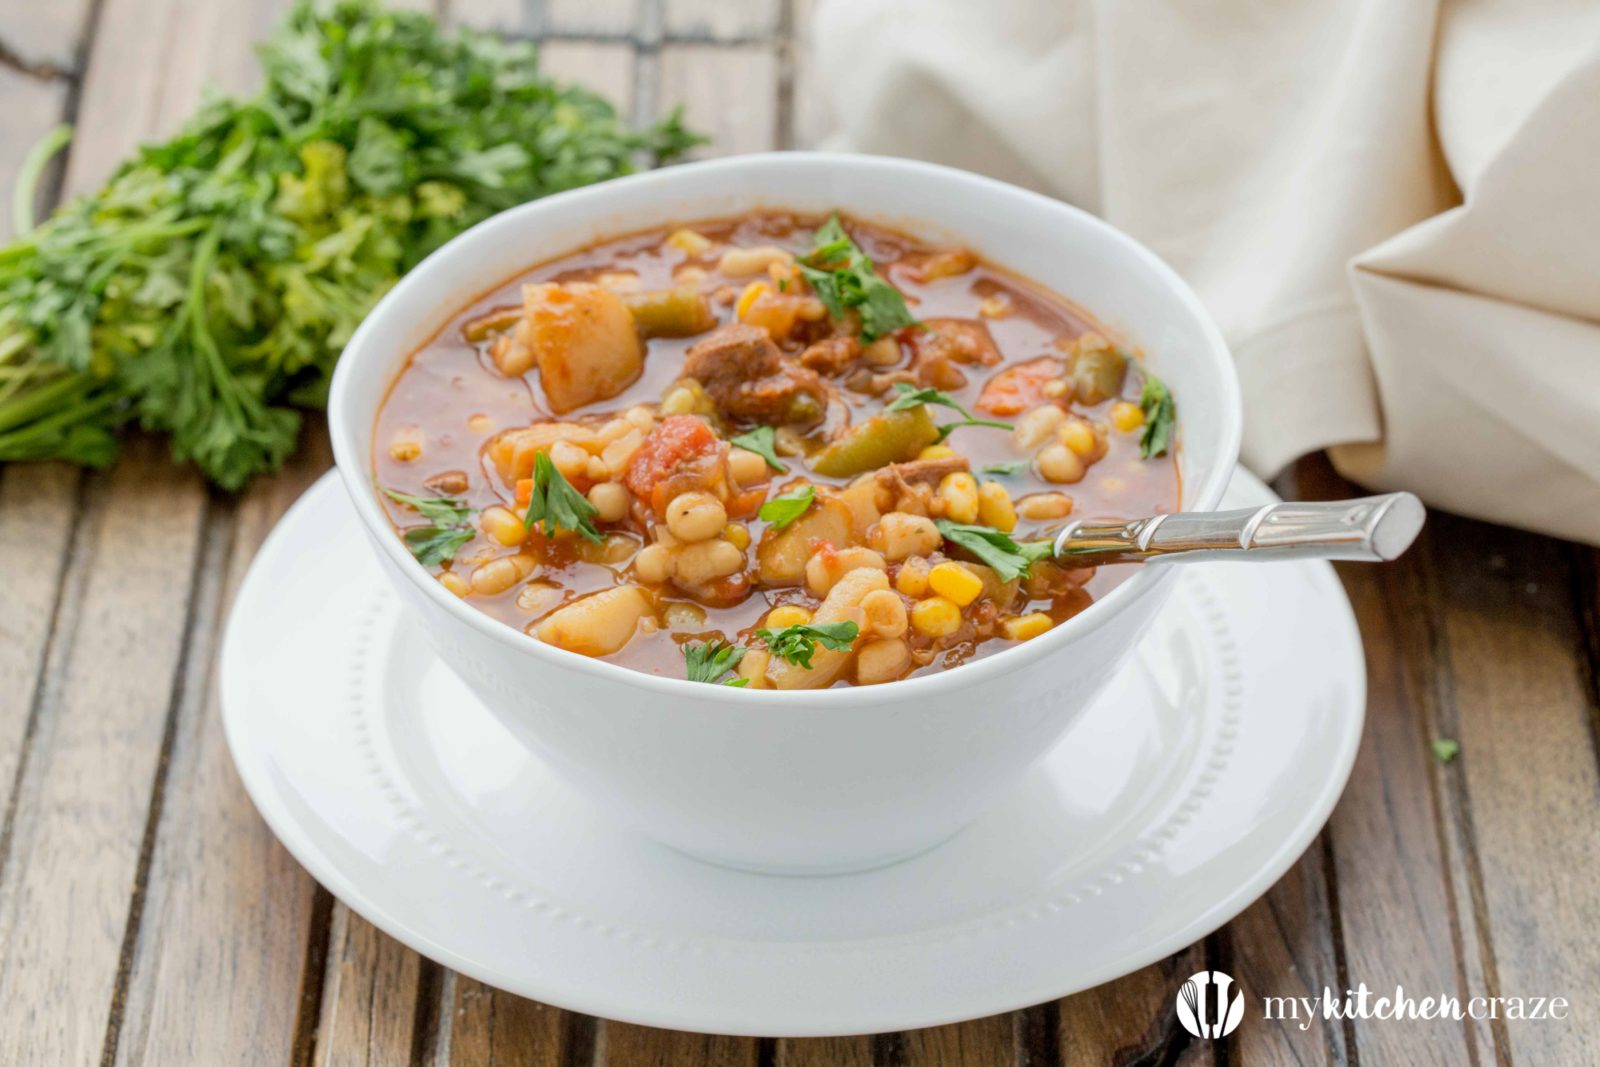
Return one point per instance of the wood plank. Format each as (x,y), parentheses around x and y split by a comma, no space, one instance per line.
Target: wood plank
(700,76)
(151,61)
(1525,785)
(1133,1019)
(1400,918)
(824,1052)
(45,36)
(38,510)
(623,19)
(624,1045)
(500,16)
(370,1006)
(810,118)
(229,913)
(990,1041)
(1284,945)
(718,20)
(491,1028)
(604,67)
(96,771)
(79,826)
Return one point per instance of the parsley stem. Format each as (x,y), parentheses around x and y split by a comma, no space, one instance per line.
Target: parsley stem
(28,175)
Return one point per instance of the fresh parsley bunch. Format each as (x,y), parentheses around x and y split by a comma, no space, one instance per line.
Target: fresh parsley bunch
(207,290)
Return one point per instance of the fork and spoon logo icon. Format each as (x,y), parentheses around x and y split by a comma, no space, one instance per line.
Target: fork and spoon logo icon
(1210,1005)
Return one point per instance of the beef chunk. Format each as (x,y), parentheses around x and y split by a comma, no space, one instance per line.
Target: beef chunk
(747,378)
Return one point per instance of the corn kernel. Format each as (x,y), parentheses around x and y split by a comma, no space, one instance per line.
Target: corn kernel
(995,507)
(787,615)
(405,449)
(912,577)
(1026,627)
(689,243)
(455,583)
(954,582)
(936,616)
(936,452)
(751,294)
(1126,416)
(738,534)
(959,491)
(1078,436)
(480,424)
(678,402)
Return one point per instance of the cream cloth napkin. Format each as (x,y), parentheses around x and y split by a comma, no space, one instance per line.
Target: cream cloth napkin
(1391,207)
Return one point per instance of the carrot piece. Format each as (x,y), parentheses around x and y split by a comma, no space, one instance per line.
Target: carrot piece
(1011,392)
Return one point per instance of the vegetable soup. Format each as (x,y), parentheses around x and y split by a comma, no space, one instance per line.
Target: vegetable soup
(773,451)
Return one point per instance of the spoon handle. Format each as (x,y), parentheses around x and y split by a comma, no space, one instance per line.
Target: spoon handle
(1373,529)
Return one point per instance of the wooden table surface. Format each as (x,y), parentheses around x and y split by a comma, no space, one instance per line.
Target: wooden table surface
(148,916)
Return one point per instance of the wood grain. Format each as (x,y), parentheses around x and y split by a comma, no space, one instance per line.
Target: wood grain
(229,914)
(44,38)
(700,76)
(718,20)
(1524,788)
(78,832)
(1132,1020)
(1397,913)
(492,1028)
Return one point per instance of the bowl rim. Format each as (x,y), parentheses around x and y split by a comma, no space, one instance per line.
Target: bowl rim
(353,467)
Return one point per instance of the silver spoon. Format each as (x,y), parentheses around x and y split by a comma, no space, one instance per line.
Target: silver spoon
(1373,529)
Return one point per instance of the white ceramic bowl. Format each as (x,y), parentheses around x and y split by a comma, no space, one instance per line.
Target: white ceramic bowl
(803,782)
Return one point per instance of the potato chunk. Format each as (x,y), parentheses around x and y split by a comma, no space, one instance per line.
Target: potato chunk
(781,557)
(843,604)
(597,625)
(585,342)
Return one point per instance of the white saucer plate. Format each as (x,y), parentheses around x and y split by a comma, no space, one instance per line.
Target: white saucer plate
(1181,796)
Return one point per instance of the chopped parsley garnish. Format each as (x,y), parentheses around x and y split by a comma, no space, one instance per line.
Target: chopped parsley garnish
(449,527)
(780,511)
(911,397)
(1445,749)
(844,279)
(1010,559)
(763,442)
(796,644)
(1007,470)
(709,661)
(1159,412)
(558,504)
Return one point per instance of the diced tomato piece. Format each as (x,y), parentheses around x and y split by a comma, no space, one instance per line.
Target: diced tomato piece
(1011,392)
(677,439)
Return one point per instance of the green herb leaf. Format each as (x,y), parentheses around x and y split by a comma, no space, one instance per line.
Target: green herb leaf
(844,279)
(449,527)
(1445,749)
(709,661)
(207,289)
(438,509)
(763,442)
(797,644)
(1159,414)
(1006,470)
(780,511)
(910,397)
(557,504)
(1010,559)
(432,545)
